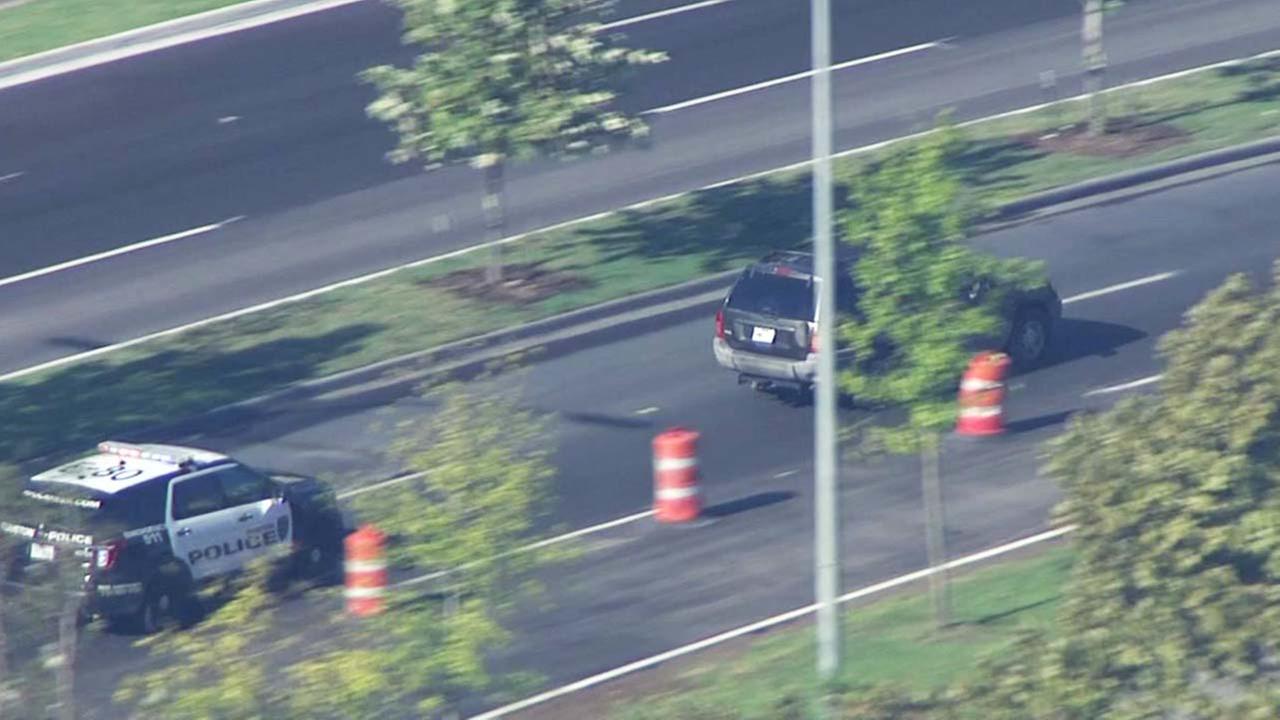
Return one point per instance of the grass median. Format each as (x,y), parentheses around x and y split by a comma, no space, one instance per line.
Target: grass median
(696,235)
(32,26)
(890,641)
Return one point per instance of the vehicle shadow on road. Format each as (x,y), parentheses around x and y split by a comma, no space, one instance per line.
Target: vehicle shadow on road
(748,503)
(1075,339)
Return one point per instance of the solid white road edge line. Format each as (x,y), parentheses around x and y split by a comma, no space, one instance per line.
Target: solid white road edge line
(662,13)
(766,623)
(587,218)
(127,51)
(118,251)
(1125,386)
(791,78)
(1120,286)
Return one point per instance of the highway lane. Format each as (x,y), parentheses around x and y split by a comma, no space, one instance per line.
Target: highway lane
(278,171)
(644,588)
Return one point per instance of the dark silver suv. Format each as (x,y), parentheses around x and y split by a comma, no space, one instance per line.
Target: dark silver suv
(766,329)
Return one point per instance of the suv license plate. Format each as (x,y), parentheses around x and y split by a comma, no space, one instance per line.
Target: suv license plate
(40,551)
(763,335)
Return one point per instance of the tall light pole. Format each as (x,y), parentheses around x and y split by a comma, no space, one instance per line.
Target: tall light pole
(826,497)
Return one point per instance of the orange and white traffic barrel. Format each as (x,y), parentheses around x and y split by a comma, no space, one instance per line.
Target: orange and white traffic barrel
(366,570)
(982,395)
(676,497)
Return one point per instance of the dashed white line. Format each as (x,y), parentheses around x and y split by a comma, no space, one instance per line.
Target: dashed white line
(1125,386)
(379,485)
(226,119)
(792,78)
(647,411)
(784,474)
(662,13)
(118,251)
(532,546)
(1118,287)
(766,623)
(11,176)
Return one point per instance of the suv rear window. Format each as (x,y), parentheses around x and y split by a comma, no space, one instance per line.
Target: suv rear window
(775,295)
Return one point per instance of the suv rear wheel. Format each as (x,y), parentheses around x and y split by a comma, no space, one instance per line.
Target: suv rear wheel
(1029,342)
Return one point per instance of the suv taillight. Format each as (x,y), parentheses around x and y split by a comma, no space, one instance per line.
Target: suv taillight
(105,556)
(720,323)
(813,337)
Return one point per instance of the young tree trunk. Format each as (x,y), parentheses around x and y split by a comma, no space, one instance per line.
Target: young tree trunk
(495,220)
(935,530)
(1095,62)
(8,684)
(67,632)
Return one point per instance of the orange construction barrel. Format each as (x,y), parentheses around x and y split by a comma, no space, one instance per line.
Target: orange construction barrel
(676,497)
(982,395)
(366,570)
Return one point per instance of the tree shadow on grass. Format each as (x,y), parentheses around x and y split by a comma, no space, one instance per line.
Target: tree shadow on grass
(724,225)
(68,410)
(993,165)
(1262,77)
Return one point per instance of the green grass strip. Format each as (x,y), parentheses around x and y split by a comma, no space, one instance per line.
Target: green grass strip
(33,26)
(890,641)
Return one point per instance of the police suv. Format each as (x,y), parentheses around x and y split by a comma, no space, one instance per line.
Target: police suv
(150,524)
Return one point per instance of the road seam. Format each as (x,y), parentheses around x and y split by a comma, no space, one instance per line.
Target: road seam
(767,623)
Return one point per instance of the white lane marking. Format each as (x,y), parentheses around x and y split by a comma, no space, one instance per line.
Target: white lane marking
(532,546)
(118,251)
(1121,286)
(1125,386)
(585,219)
(228,119)
(792,78)
(11,176)
(647,411)
(784,474)
(662,13)
(766,623)
(121,49)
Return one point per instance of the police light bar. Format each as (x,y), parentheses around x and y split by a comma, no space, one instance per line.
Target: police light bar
(111,447)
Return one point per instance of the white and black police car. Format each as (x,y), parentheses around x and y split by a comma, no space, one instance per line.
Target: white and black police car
(150,524)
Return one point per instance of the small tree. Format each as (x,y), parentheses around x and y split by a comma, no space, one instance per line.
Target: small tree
(913,327)
(1173,605)
(193,679)
(484,464)
(503,80)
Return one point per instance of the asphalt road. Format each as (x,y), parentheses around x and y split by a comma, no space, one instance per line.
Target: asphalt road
(268,124)
(646,588)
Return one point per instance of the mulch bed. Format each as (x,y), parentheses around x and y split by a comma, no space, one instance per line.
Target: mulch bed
(1122,139)
(521,283)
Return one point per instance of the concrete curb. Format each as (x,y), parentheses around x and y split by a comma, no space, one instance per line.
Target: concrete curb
(170,33)
(1125,180)
(651,310)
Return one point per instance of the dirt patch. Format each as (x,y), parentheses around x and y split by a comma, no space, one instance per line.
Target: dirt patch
(521,283)
(1123,139)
